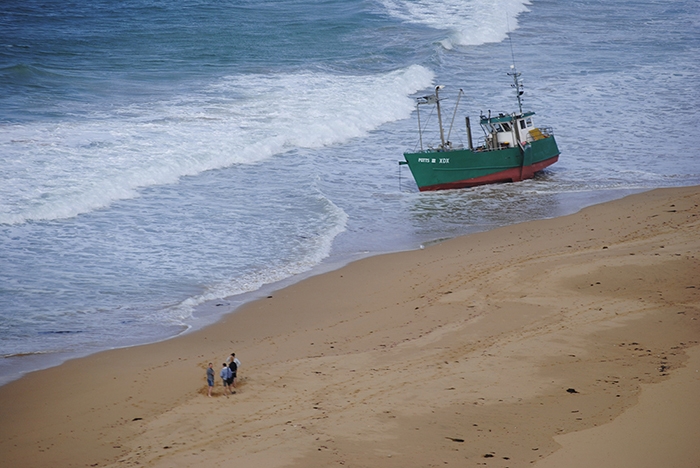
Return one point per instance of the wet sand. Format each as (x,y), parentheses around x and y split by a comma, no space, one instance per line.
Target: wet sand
(563,342)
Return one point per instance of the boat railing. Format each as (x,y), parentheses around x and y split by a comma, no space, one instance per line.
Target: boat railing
(483,146)
(547,131)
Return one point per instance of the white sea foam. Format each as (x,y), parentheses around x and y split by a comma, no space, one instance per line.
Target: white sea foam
(55,171)
(317,248)
(472,22)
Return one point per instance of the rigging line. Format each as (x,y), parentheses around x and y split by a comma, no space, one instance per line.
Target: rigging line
(422,132)
(454,114)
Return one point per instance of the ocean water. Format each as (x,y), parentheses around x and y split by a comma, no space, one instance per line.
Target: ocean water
(163,162)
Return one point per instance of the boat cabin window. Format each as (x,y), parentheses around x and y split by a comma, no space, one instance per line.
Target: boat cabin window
(506,127)
(525,123)
(498,127)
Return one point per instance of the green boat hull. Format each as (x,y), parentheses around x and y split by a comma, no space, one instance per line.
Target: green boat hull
(460,168)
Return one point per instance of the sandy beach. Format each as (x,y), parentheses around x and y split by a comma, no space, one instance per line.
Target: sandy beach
(564,342)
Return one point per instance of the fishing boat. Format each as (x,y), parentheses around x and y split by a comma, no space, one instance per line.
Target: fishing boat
(512,149)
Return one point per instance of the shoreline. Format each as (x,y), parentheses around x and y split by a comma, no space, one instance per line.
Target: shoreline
(206,314)
(462,352)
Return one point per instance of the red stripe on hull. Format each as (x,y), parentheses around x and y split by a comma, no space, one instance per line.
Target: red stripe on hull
(515,174)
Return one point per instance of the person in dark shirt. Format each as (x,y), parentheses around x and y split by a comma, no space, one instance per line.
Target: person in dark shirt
(226,377)
(210,377)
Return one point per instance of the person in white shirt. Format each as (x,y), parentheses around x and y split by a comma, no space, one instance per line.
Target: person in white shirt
(232,359)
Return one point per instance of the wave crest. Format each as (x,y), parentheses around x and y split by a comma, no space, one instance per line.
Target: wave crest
(59,170)
(469,23)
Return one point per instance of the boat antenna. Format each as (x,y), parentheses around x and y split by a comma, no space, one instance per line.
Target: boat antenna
(517,82)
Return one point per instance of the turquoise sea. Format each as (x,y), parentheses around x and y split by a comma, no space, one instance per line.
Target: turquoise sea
(162,162)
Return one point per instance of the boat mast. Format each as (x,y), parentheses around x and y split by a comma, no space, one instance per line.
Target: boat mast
(518,86)
(437,99)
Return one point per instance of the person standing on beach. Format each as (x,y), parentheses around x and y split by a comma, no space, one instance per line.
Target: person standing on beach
(210,377)
(226,378)
(234,365)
